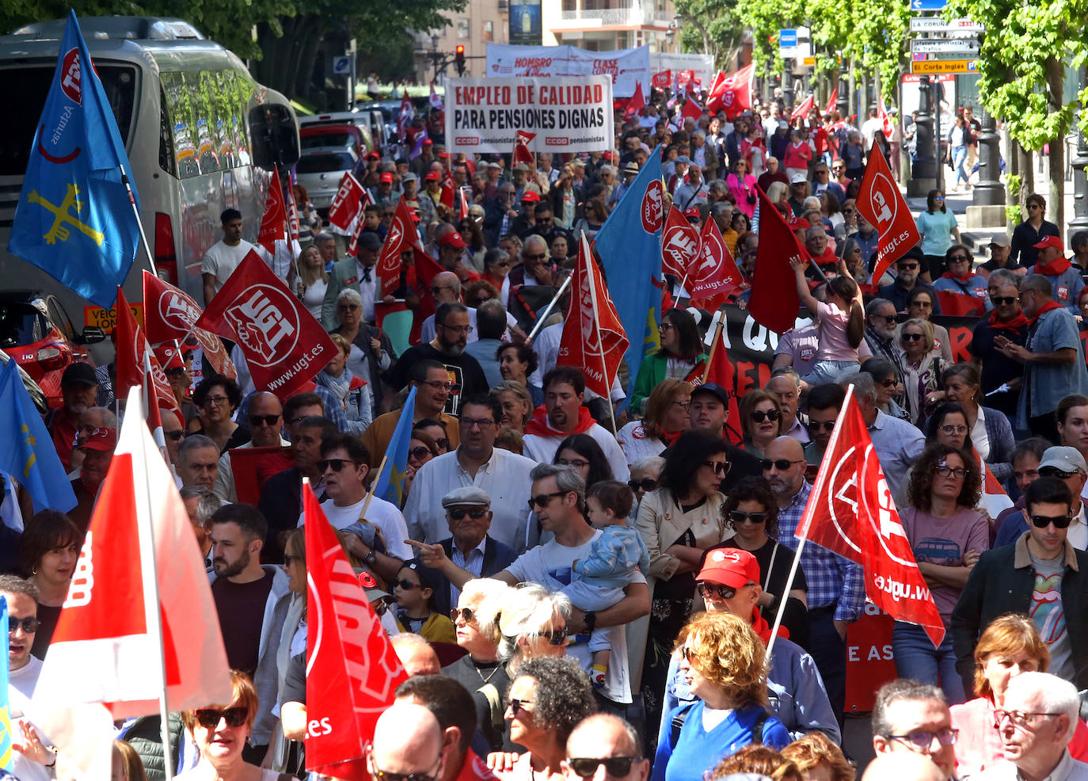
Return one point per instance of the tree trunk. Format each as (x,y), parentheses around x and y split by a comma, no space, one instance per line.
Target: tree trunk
(1012,161)
(1027,176)
(1055,81)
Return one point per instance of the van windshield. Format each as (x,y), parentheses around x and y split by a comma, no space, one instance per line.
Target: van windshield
(27,86)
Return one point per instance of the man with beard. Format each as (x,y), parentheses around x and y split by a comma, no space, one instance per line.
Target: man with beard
(880,321)
(243,589)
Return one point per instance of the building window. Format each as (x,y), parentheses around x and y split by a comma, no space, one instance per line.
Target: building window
(462,29)
(489,31)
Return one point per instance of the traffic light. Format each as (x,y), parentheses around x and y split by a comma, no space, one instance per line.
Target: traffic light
(459,59)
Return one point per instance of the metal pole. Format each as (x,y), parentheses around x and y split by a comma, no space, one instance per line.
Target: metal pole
(990,191)
(551,305)
(139,223)
(1080,179)
(923,175)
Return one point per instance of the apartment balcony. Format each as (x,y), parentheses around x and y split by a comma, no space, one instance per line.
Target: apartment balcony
(636,16)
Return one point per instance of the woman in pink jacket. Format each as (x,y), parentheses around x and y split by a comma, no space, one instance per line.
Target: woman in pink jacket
(742,186)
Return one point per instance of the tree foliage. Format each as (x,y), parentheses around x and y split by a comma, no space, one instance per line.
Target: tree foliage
(711,26)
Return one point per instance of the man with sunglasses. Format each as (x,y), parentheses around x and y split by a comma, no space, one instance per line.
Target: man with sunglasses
(824,403)
(604,747)
(1068,465)
(907,269)
(1041,575)
(265,415)
(913,718)
(1005,319)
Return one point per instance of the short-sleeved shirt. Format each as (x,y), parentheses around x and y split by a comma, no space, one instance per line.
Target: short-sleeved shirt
(834,345)
(221,259)
(945,541)
(936,229)
(1047,384)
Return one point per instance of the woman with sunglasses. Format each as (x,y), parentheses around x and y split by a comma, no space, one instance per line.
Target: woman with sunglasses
(751,511)
(220,734)
(582,452)
(678,522)
(475,619)
(961,279)
(533,623)
(948,534)
(545,702)
(723,662)
(989,431)
(889,388)
(937,226)
(742,186)
(922,304)
(921,368)
(666,418)
(761,421)
(680,357)
(370,350)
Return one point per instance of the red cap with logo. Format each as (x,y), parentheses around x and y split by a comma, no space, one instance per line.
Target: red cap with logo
(386,178)
(452,239)
(432,176)
(530,196)
(731,567)
(102,439)
(1050,241)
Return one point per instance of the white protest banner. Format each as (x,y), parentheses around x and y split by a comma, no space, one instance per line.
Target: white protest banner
(566,114)
(626,67)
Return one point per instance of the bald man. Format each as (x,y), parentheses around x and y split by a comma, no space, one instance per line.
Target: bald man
(416,654)
(601,740)
(265,422)
(408,740)
(836,591)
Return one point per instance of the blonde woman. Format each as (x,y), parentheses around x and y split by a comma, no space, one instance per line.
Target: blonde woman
(533,624)
(313,280)
(921,368)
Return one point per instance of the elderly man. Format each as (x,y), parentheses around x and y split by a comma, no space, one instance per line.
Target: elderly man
(265,414)
(785,385)
(200,505)
(604,747)
(453,707)
(357,273)
(500,478)
(326,245)
(198,462)
(819,248)
(97,446)
(173,431)
(536,267)
(836,593)
(913,718)
(907,269)
(880,322)
(1005,319)
(1037,722)
(1065,279)
(999,257)
(408,743)
(1053,358)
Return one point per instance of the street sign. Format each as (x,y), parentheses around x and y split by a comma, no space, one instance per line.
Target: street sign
(809,62)
(934,24)
(341,66)
(944,66)
(960,46)
(927,5)
(787,38)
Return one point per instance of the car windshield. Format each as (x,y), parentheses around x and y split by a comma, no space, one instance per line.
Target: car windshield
(319,164)
(327,139)
(20,324)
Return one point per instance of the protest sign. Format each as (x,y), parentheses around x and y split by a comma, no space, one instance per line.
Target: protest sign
(483,116)
(624,67)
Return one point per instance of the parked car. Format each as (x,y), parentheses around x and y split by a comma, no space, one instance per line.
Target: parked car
(343,135)
(320,172)
(361,118)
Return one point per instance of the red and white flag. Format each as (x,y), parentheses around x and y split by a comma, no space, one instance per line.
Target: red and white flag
(170,315)
(886,126)
(358,224)
(348,204)
(851,512)
(774,301)
(714,272)
(294,223)
(283,344)
(832,101)
(731,92)
(995,499)
(139,601)
(133,355)
(402,236)
(352,671)
(274,222)
(405,116)
(593,337)
(522,153)
(679,244)
(661,80)
(721,372)
(881,203)
(687,81)
(691,110)
(803,109)
(635,103)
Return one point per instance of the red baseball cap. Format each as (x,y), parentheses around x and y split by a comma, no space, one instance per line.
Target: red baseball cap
(428,142)
(731,567)
(692,213)
(386,178)
(453,239)
(104,440)
(432,176)
(373,156)
(799,223)
(530,196)
(1050,241)
(169,357)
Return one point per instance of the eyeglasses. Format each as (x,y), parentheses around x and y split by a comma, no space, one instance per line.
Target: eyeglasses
(951,429)
(885,318)
(953,472)
(816,426)
(443,443)
(1034,206)
(1018,717)
(1059,521)
(335,464)
(457,513)
(908,266)
(174,436)
(759,415)
(215,400)
(382,775)
(715,590)
(645,484)
(781,464)
(922,740)
(1003,300)
(585,767)
(1053,471)
(721,468)
(419,452)
(957,258)
(439,385)
(738,516)
(457,329)
(29,624)
(543,500)
(541,256)
(905,337)
(407,585)
(517,706)
(268,420)
(463,613)
(555,636)
(208,718)
(577,463)
(476,422)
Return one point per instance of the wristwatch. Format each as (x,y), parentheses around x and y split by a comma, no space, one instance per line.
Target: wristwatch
(590,620)
(370,559)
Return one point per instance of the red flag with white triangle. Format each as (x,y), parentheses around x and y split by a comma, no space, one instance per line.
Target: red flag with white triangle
(731,92)
(679,244)
(593,337)
(714,273)
(522,153)
(274,222)
(351,668)
(170,315)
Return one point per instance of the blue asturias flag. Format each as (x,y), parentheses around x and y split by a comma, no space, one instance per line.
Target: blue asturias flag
(390,484)
(74,220)
(629,244)
(26,449)
(5,706)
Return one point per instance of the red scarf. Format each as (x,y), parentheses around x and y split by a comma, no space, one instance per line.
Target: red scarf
(763,629)
(540,425)
(669,437)
(1050,304)
(963,280)
(1055,267)
(829,258)
(1015,324)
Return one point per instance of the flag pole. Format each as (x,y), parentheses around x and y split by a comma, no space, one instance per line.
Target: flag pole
(139,223)
(718,328)
(802,531)
(597,327)
(551,305)
(370,493)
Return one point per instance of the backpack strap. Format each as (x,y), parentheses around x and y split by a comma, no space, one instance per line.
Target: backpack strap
(678,719)
(757,728)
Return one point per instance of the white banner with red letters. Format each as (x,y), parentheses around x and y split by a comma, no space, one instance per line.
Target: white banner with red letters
(625,67)
(565,114)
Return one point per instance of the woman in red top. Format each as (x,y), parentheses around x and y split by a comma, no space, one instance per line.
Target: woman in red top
(798,154)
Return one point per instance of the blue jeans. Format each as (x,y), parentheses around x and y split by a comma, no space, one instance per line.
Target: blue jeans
(916,658)
(959,155)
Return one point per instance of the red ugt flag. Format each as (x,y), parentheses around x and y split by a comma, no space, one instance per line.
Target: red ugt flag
(661,80)
(691,110)
(679,244)
(881,203)
(402,237)
(804,109)
(348,203)
(351,669)
(593,337)
(283,344)
(851,512)
(134,355)
(522,154)
(732,92)
(636,103)
(774,301)
(170,314)
(274,222)
(832,101)
(714,272)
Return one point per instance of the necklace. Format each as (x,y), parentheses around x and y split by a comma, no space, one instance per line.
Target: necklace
(489,677)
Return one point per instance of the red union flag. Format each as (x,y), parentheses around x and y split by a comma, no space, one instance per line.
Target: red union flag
(714,271)
(294,225)
(351,669)
(348,203)
(522,154)
(402,237)
(170,314)
(832,101)
(881,203)
(886,126)
(593,337)
(803,109)
(283,344)
(679,244)
(851,512)
(774,301)
(636,103)
(731,92)
(133,357)
(274,222)
(653,206)
(661,80)
(691,110)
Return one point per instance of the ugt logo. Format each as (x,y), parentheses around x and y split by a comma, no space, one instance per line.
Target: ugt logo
(266,323)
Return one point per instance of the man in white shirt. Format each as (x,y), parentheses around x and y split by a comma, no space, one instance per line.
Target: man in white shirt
(344,464)
(564,415)
(31,760)
(476,462)
(224,256)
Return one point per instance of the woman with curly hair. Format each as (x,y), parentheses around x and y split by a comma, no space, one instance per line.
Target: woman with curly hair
(725,665)
(665,419)
(948,534)
(546,700)
(758,760)
(819,759)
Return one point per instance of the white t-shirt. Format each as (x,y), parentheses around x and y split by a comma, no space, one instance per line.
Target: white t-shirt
(381,513)
(549,565)
(220,260)
(542,450)
(21,685)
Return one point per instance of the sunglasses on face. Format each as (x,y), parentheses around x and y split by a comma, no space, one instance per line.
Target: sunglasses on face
(543,500)
(1053,471)
(208,718)
(1003,300)
(335,464)
(910,337)
(958,259)
(463,613)
(268,420)
(720,467)
(174,436)
(908,267)
(781,464)
(517,706)
(738,516)
(419,452)
(1059,521)
(816,426)
(407,585)
(759,415)
(29,624)
(715,590)
(457,514)
(646,484)
(555,636)
(618,767)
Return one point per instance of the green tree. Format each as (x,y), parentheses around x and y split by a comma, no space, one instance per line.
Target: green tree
(711,26)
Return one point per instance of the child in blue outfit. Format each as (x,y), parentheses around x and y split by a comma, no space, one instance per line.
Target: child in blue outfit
(597,581)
